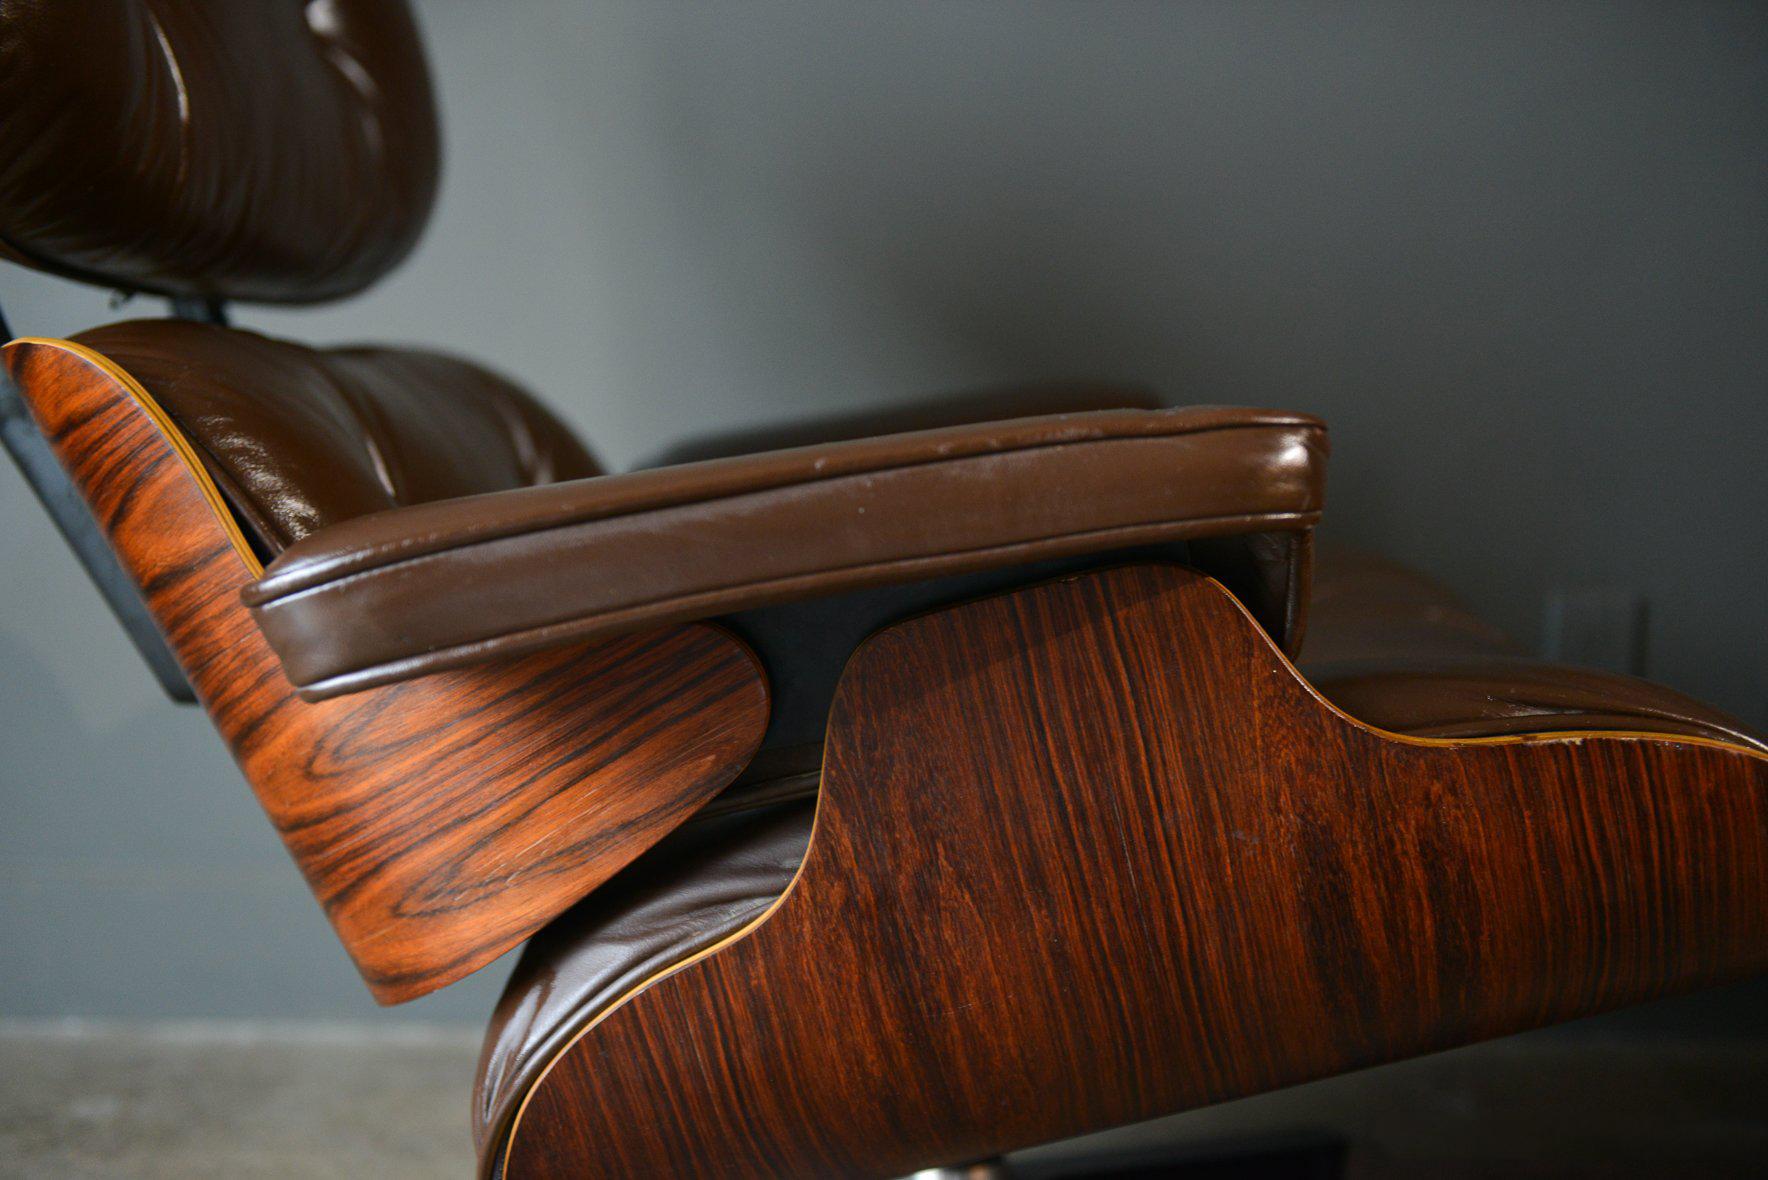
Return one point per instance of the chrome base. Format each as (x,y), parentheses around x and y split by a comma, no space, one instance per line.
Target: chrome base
(980,1170)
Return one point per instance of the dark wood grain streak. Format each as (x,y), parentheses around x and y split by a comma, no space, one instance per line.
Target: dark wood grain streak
(1093,852)
(442,820)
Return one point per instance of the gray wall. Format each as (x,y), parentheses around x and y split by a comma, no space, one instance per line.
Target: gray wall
(1518,257)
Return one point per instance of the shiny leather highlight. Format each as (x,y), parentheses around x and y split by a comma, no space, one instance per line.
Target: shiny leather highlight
(284,152)
(299,439)
(404,593)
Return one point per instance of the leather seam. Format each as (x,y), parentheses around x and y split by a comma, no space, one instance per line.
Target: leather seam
(466,553)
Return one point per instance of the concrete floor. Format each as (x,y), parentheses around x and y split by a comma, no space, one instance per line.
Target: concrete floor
(85,1101)
(95,1101)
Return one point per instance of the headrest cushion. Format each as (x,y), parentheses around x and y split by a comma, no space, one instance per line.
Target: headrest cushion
(277,151)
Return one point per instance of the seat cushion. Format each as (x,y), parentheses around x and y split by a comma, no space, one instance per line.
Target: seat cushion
(407,592)
(1398,651)
(300,438)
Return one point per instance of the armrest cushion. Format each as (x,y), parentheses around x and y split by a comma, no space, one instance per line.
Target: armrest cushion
(414,590)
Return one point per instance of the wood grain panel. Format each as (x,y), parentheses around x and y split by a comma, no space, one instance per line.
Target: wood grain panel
(439,821)
(1093,852)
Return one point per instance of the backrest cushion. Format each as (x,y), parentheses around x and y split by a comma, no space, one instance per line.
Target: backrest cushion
(265,150)
(300,438)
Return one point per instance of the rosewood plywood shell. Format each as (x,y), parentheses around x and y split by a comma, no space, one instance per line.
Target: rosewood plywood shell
(439,821)
(1093,852)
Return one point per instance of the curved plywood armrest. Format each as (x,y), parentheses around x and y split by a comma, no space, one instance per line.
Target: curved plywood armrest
(1093,852)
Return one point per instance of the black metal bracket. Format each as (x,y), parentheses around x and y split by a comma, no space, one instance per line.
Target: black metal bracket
(201,309)
(37,462)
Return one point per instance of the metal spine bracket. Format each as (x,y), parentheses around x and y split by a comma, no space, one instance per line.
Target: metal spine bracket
(200,308)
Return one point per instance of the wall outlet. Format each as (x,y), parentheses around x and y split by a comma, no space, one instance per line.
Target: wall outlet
(1597,627)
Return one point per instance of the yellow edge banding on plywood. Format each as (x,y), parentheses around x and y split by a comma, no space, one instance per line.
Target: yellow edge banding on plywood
(181,445)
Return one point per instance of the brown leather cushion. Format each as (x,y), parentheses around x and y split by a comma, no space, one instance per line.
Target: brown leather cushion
(274,151)
(299,438)
(407,592)
(1396,650)
(1366,607)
